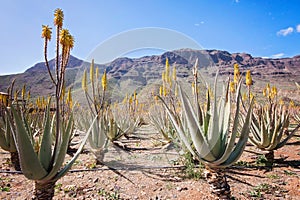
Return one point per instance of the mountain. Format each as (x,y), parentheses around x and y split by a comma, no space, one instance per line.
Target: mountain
(139,72)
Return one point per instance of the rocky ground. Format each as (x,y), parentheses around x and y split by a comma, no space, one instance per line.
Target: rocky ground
(147,170)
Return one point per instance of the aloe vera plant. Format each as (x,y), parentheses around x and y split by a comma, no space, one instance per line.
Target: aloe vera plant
(36,163)
(160,120)
(7,142)
(211,135)
(41,157)
(270,129)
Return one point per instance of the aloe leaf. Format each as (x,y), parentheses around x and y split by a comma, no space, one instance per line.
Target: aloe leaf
(178,129)
(214,136)
(281,144)
(240,146)
(4,144)
(45,151)
(61,152)
(198,138)
(225,116)
(63,171)
(29,162)
(231,141)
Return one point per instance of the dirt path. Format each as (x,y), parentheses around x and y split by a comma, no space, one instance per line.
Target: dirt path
(147,171)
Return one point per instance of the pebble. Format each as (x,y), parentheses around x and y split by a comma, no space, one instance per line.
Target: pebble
(181,188)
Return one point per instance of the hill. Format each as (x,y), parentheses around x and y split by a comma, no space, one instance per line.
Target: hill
(143,71)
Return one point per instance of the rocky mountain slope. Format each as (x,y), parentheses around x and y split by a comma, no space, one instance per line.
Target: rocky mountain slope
(145,70)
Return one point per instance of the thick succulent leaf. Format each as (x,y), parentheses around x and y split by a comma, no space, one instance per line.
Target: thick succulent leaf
(255,127)
(61,152)
(285,123)
(281,144)
(29,162)
(68,166)
(4,144)
(214,136)
(264,134)
(231,141)
(198,138)
(45,151)
(240,146)
(179,129)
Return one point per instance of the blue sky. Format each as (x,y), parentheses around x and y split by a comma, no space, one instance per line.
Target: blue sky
(265,28)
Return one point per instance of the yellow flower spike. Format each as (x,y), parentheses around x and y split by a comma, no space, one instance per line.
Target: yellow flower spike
(236,74)
(264,92)
(16,96)
(274,90)
(130,100)
(58,17)
(44,102)
(104,81)
(161,90)
(92,75)
(69,96)
(84,81)
(97,73)
(136,102)
(174,73)
(281,102)
(232,87)
(248,78)
(176,91)
(134,95)
(268,88)
(23,91)
(46,32)
(64,37)
(167,69)
(292,104)
(165,91)
(163,76)
(28,95)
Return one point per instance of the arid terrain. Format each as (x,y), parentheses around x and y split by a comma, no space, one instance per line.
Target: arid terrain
(148,170)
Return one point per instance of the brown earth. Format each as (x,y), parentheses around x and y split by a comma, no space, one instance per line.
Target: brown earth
(147,170)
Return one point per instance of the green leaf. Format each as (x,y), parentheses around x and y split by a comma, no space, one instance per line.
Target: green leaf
(29,162)
(194,127)
(178,129)
(63,171)
(240,146)
(45,151)
(61,153)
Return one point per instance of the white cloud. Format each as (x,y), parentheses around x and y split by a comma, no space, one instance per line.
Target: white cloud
(285,32)
(298,28)
(278,55)
(237,1)
(198,24)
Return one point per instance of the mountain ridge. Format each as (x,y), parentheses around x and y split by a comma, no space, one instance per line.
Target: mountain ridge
(145,69)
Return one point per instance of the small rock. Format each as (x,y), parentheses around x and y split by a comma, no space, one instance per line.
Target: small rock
(95,180)
(181,188)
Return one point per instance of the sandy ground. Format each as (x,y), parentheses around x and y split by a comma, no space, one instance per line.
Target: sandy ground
(148,170)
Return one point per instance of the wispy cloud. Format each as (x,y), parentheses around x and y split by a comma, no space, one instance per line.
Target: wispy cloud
(198,24)
(278,55)
(285,32)
(237,1)
(298,28)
